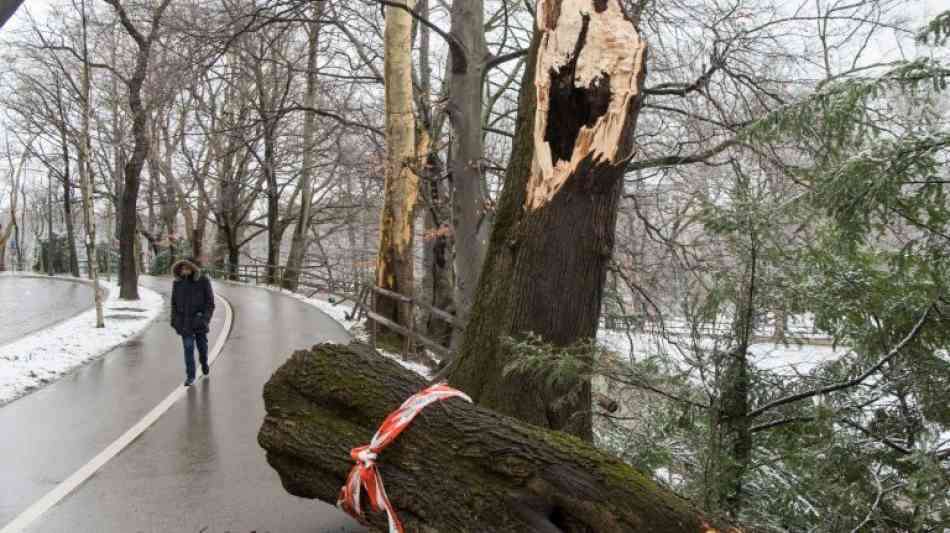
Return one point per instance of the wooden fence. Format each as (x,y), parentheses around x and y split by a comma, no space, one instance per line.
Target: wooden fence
(310,283)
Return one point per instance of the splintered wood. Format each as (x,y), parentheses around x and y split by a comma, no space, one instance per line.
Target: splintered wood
(602,46)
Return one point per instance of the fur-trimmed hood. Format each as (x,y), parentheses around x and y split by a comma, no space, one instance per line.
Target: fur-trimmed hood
(197,273)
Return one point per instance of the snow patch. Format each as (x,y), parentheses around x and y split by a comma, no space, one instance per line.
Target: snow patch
(43,357)
(339,311)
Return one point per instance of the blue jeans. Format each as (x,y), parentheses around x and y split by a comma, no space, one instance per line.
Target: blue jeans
(201,339)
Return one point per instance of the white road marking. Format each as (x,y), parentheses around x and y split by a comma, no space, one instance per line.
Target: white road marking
(28,516)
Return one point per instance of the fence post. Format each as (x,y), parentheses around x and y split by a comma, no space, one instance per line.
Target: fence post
(372,301)
(408,345)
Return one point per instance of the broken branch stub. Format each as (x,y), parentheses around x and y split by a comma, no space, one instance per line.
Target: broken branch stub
(587,79)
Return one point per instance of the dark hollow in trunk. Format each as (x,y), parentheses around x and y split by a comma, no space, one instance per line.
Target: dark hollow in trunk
(458,467)
(554,231)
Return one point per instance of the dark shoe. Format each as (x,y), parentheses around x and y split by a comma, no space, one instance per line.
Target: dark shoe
(189,382)
(205,369)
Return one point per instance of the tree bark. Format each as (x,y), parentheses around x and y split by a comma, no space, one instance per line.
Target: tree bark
(554,230)
(394,264)
(458,467)
(436,258)
(50,239)
(470,219)
(128,217)
(12,228)
(437,286)
(85,177)
(300,242)
(730,436)
(5,233)
(67,190)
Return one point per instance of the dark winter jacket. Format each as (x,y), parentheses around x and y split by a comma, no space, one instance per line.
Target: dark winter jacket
(192,300)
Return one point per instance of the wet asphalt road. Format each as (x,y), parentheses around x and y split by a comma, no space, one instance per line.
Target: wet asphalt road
(199,468)
(31,304)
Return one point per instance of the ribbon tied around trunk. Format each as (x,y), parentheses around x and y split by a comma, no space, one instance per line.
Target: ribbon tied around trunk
(365,474)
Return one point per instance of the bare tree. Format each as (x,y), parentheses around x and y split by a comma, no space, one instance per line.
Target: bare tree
(128,213)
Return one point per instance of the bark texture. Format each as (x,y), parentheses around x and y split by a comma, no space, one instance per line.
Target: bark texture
(394,264)
(554,231)
(10,230)
(128,217)
(68,218)
(470,220)
(458,467)
(85,178)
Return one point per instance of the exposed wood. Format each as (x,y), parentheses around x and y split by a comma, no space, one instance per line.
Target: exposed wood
(394,265)
(458,467)
(554,229)
(589,63)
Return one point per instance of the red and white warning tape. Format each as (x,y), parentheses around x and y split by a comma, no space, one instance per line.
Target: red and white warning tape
(365,474)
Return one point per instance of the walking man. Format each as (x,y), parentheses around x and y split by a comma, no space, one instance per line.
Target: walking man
(192,308)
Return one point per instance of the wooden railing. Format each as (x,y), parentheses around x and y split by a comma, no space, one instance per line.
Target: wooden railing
(410,334)
(310,283)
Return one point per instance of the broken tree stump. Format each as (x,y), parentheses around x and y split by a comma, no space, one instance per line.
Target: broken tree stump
(458,467)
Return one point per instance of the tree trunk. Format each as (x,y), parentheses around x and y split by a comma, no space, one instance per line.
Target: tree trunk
(5,234)
(85,178)
(273,199)
(168,194)
(554,231)
(300,242)
(437,285)
(469,218)
(436,259)
(128,219)
(731,437)
(68,205)
(49,224)
(458,467)
(730,450)
(394,264)
(12,229)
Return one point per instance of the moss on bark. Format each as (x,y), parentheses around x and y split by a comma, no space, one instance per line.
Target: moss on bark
(458,467)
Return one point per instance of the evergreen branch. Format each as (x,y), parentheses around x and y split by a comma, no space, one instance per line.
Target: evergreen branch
(851,382)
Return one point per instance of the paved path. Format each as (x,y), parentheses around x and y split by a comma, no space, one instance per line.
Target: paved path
(199,468)
(31,304)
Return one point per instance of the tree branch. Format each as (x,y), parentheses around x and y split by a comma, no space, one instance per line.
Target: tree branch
(851,382)
(459,56)
(674,160)
(495,61)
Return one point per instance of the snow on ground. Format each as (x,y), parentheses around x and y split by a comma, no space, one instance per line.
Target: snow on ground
(42,357)
(789,359)
(339,311)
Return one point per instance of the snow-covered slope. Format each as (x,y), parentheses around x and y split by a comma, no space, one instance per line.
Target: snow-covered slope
(41,358)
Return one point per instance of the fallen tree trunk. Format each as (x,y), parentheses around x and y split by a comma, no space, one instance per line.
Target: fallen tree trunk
(458,467)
